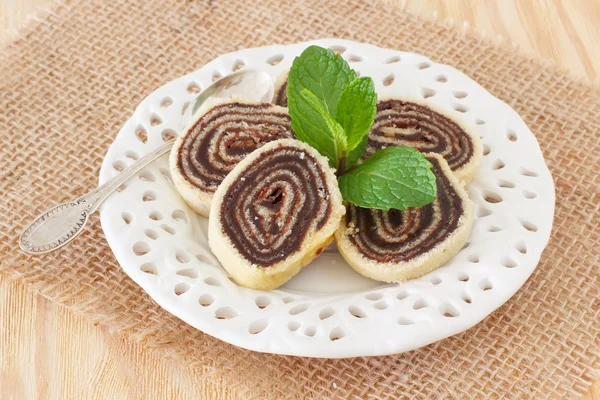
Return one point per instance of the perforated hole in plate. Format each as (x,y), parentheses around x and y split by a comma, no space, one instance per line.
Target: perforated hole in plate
(459,94)
(436,280)
(427,93)
(461,108)
(188,273)
(149,195)
(381,305)
(206,300)
(393,60)
(299,309)
(337,49)
(184,107)
(491,197)
(212,281)
(132,155)
(257,327)
(336,333)
(181,288)
(530,226)
(402,294)
(498,164)
(293,326)
(274,60)
(155,216)
(511,135)
(287,299)
(479,121)
(166,102)
(485,285)
(473,258)
(462,276)
(141,248)
(486,149)
(494,228)
(482,212)
(424,65)
(262,302)
(127,217)
(508,262)
(118,165)
(180,216)
(151,233)
(449,310)
(352,58)
(506,184)
(466,298)
(529,195)
(168,229)
(193,88)
(326,313)
(182,257)
(149,268)
(147,176)
(310,331)
(521,247)
(155,120)
(237,65)
(226,313)
(441,78)
(141,134)
(216,76)
(420,304)
(374,296)
(167,175)
(405,321)
(168,134)
(356,311)
(526,172)
(388,80)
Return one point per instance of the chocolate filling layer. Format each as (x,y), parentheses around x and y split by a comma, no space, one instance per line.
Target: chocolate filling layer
(281,95)
(274,203)
(226,134)
(398,236)
(402,123)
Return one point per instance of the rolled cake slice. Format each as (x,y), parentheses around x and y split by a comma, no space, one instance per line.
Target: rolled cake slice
(280,97)
(216,141)
(408,122)
(395,246)
(274,213)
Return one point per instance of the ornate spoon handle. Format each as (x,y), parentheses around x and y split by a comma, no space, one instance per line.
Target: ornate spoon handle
(62,223)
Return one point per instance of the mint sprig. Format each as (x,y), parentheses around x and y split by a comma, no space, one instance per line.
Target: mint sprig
(332,110)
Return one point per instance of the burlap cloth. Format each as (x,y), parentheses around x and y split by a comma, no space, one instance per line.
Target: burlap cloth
(72,80)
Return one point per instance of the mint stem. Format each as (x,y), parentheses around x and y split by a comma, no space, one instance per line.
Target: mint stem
(342,165)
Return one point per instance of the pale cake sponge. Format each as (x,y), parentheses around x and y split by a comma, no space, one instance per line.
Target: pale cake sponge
(221,134)
(395,246)
(274,213)
(411,122)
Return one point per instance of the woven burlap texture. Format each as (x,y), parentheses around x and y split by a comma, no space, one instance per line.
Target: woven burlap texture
(71,81)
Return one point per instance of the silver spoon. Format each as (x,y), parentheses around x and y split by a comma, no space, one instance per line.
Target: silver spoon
(62,223)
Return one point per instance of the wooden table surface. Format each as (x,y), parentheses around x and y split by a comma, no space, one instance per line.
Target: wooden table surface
(48,352)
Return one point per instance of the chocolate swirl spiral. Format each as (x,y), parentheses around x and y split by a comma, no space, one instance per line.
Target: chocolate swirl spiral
(274,202)
(406,123)
(281,95)
(226,134)
(400,236)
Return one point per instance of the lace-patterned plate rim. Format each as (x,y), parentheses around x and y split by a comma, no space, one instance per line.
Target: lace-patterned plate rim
(328,310)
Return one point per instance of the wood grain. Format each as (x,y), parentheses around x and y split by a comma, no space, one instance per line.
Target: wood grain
(47,352)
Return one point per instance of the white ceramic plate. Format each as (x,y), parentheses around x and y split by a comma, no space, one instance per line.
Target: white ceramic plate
(328,310)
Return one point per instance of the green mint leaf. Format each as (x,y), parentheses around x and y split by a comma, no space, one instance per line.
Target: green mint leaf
(395,177)
(328,125)
(356,110)
(354,155)
(321,71)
